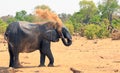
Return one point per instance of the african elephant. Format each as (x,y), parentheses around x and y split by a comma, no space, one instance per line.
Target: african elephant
(28,37)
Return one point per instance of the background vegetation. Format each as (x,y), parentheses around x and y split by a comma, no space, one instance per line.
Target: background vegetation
(90,21)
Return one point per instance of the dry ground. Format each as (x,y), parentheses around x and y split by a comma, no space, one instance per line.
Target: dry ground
(88,56)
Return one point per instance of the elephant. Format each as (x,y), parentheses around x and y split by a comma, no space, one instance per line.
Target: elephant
(25,37)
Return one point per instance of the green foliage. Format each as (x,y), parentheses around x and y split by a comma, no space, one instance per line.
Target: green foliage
(23,16)
(76,21)
(70,26)
(90,14)
(10,20)
(93,31)
(3,26)
(85,15)
(20,16)
(103,32)
(116,21)
(95,19)
(117,26)
(106,21)
(77,27)
(29,18)
(64,17)
(107,8)
(87,10)
(76,17)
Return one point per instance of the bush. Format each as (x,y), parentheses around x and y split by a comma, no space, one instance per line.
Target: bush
(117,26)
(106,22)
(70,28)
(103,32)
(116,22)
(90,31)
(77,27)
(10,20)
(93,31)
(3,26)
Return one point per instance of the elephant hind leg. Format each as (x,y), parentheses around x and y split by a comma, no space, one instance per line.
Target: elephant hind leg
(14,57)
(11,64)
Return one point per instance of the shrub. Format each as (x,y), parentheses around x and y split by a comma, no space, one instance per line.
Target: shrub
(117,26)
(77,27)
(70,28)
(3,26)
(93,31)
(10,20)
(106,21)
(103,32)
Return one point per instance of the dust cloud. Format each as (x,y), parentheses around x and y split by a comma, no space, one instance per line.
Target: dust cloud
(48,15)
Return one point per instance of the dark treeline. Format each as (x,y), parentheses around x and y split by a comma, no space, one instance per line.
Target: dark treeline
(91,21)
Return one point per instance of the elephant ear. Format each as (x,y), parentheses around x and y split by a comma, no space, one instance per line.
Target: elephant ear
(51,35)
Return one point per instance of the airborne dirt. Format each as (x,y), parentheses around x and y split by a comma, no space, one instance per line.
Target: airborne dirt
(87,56)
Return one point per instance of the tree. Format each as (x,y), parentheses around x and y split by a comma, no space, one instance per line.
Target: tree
(76,19)
(64,17)
(107,8)
(43,7)
(30,18)
(23,16)
(20,16)
(95,19)
(86,14)
(87,10)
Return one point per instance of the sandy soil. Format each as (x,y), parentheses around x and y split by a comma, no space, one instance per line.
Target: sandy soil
(88,56)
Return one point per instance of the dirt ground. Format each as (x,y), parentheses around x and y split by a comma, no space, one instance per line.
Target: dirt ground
(87,56)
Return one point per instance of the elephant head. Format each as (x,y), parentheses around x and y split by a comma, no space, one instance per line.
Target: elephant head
(53,35)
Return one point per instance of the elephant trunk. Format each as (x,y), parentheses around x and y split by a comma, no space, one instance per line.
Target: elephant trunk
(67,42)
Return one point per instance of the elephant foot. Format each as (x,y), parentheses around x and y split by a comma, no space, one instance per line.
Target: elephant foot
(41,65)
(18,66)
(50,65)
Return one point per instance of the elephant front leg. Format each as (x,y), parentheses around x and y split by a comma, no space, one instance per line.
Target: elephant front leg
(47,52)
(42,59)
(51,58)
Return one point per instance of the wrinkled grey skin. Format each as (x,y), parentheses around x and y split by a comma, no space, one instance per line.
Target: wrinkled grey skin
(28,37)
